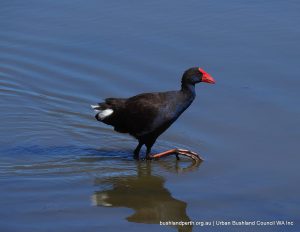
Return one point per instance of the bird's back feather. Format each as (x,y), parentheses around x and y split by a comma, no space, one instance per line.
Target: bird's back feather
(142,114)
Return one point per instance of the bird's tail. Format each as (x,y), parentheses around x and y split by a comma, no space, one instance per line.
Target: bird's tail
(110,112)
(102,111)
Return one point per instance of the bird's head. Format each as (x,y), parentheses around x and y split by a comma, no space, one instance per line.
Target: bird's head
(195,75)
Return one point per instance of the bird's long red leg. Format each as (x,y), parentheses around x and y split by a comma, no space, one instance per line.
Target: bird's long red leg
(176,151)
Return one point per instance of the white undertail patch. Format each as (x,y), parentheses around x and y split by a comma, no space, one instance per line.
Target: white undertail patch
(94,106)
(102,113)
(105,113)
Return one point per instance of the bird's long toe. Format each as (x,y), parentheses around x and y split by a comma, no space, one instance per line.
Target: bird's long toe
(177,152)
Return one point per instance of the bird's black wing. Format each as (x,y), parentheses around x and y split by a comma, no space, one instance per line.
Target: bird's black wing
(146,112)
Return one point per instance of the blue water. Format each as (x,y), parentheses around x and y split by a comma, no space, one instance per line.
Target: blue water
(60,170)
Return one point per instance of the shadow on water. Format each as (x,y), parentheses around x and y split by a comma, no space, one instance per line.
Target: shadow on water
(121,180)
(145,193)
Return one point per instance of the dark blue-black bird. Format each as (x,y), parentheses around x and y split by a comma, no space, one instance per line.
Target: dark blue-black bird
(146,116)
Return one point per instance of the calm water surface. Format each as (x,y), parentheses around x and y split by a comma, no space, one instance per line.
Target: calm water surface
(60,170)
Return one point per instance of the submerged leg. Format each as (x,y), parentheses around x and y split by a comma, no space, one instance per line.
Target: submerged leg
(177,152)
(149,143)
(136,152)
(148,156)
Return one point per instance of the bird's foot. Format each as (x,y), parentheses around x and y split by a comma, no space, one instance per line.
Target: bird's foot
(148,157)
(193,155)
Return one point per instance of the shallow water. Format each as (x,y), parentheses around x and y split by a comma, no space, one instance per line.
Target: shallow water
(61,170)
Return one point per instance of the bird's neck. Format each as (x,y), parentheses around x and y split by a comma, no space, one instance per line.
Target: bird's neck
(188,89)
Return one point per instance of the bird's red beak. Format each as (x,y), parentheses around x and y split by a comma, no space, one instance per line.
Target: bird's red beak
(206,77)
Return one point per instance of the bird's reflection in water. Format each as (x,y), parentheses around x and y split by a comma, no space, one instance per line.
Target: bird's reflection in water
(145,194)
